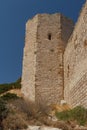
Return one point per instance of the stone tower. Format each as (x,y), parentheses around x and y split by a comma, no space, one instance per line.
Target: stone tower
(42,74)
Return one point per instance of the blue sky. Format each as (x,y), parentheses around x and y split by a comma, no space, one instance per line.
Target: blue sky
(13,16)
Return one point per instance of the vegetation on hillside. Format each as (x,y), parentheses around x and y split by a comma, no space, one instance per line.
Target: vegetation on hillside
(3,109)
(16,113)
(3,112)
(6,87)
(78,114)
(9,96)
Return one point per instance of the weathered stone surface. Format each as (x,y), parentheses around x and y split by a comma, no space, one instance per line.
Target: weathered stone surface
(53,71)
(80,128)
(33,128)
(42,128)
(42,76)
(75,63)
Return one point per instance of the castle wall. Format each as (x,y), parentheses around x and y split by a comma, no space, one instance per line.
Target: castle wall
(29,60)
(49,58)
(75,64)
(42,75)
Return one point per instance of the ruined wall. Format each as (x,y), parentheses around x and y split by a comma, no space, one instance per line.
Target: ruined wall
(29,60)
(75,63)
(49,57)
(43,79)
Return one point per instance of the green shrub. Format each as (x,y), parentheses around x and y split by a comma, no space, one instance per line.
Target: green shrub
(9,96)
(6,87)
(3,109)
(78,113)
(65,115)
(17,84)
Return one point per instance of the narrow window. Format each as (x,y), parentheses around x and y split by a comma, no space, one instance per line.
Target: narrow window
(49,36)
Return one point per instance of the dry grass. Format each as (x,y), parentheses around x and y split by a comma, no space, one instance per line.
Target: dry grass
(26,107)
(14,122)
(31,109)
(25,112)
(38,114)
(15,119)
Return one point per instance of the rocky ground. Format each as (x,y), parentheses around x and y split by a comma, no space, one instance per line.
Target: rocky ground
(22,114)
(51,128)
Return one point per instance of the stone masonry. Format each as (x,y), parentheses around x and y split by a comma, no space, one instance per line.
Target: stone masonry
(46,38)
(75,63)
(55,59)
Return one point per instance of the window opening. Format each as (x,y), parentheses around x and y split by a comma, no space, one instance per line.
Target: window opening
(49,36)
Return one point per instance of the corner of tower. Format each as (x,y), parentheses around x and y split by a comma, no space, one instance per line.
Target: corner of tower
(67,26)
